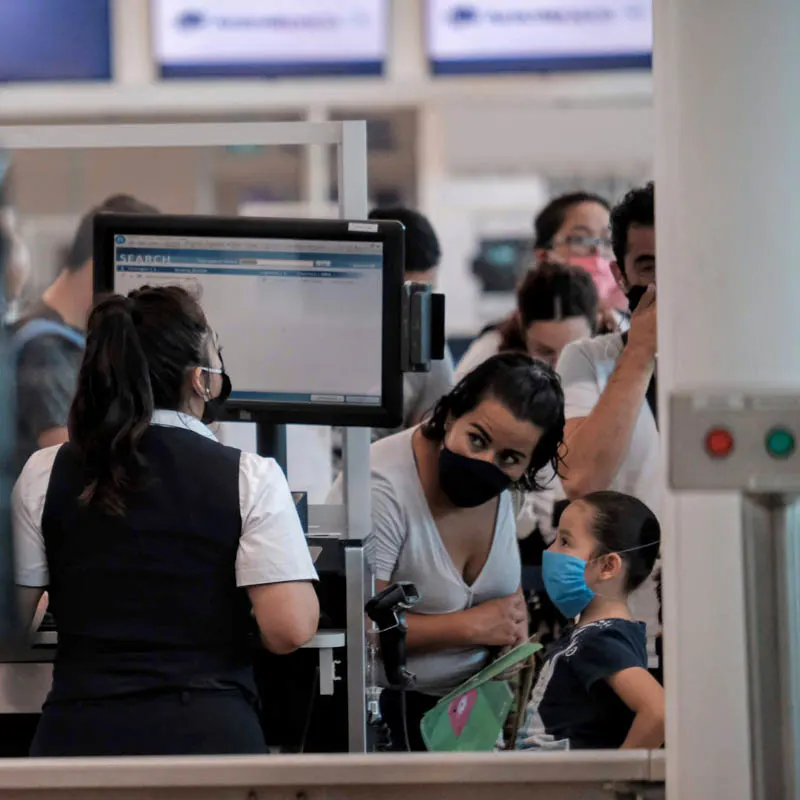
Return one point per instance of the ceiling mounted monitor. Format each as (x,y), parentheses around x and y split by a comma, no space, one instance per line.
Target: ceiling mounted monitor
(269,38)
(468,37)
(65,40)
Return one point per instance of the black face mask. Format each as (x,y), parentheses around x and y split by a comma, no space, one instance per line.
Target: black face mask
(635,295)
(469,482)
(214,408)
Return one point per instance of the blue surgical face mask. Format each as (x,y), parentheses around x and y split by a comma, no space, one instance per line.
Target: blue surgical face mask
(565,581)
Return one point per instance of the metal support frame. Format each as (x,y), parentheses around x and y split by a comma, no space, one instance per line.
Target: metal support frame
(351,140)
(771,544)
(600,775)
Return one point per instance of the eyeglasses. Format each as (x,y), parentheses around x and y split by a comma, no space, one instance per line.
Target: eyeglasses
(587,245)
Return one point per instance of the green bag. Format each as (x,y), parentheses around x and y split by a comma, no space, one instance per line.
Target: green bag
(472,717)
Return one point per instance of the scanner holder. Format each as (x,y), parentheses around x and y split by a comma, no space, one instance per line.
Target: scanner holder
(387,610)
(423,337)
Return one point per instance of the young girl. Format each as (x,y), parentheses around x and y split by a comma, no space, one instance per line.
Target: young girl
(594,690)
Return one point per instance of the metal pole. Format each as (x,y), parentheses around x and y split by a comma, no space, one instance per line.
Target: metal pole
(353,204)
(9,617)
(772,601)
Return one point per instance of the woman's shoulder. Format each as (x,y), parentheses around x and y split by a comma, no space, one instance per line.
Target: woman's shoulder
(38,467)
(393,456)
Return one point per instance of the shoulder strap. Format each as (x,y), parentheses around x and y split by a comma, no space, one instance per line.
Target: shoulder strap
(652,387)
(44,327)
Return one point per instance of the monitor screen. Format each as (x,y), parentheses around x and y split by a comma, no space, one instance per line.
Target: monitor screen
(301,308)
(269,38)
(486,36)
(43,40)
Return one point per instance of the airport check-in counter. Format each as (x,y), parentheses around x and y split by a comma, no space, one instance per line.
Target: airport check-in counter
(307,689)
(25,677)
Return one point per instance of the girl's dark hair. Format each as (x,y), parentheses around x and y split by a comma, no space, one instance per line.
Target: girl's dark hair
(138,351)
(529,389)
(550,292)
(550,219)
(625,525)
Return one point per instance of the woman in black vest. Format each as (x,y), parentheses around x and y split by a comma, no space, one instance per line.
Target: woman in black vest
(157,546)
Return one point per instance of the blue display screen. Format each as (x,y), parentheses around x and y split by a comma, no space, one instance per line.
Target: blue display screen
(55,40)
(487,36)
(269,38)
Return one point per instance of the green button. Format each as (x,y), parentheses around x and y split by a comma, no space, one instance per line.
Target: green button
(780,443)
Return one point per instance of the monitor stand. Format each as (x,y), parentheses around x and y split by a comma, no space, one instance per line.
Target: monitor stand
(271,442)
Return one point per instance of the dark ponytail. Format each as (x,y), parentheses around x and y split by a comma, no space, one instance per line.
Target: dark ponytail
(138,351)
(113,404)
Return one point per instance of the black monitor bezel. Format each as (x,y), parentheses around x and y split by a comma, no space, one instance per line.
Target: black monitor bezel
(391,234)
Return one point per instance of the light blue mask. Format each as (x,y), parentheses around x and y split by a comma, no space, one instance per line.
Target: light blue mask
(565,581)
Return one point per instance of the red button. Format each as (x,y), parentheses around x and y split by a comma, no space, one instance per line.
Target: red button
(719,443)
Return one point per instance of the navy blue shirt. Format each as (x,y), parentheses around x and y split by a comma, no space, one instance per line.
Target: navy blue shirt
(572,706)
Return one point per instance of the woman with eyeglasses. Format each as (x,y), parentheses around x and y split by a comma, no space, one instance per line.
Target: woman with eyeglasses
(571,232)
(573,229)
(164,553)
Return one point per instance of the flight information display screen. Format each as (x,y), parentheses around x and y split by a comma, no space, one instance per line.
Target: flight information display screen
(300,321)
(269,38)
(55,40)
(489,36)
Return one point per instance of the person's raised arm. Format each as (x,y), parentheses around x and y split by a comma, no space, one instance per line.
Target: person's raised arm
(596,444)
(643,695)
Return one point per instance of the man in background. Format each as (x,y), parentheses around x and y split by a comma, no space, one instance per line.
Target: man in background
(48,342)
(611,432)
(611,435)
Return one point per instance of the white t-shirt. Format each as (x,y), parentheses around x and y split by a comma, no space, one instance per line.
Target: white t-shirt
(405,545)
(272,546)
(585,368)
(483,348)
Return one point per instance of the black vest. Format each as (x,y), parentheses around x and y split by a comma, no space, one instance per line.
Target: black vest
(148,601)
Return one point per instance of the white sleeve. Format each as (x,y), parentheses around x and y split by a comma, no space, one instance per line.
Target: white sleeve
(272,547)
(27,508)
(579,380)
(483,348)
(389,530)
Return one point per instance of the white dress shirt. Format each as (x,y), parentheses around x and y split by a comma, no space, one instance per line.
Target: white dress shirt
(272,546)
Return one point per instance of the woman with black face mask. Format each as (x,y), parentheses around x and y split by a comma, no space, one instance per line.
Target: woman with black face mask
(443,519)
(164,554)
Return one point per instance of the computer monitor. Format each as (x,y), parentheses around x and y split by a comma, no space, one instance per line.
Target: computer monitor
(308,312)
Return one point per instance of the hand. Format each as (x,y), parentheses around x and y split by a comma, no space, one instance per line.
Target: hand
(643,335)
(607,320)
(499,623)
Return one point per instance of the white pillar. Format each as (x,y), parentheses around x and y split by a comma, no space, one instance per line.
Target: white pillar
(728,208)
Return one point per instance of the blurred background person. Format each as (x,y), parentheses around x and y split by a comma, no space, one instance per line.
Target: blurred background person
(574,229)
(48,341)
(612,439)
(556,305)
